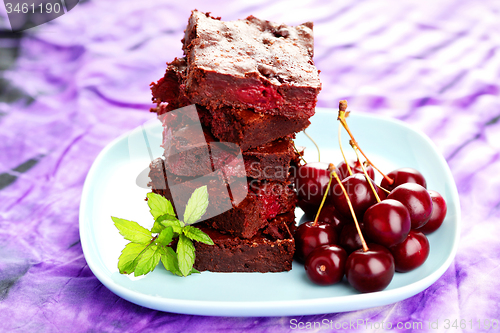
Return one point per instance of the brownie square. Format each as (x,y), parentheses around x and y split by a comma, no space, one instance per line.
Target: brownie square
(238,206)
(191,150)
(251,63)
(245,127)
(270,161)
(168,89)
(249,129)
(261,253)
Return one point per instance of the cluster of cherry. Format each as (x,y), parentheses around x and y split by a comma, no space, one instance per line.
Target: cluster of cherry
(394,218)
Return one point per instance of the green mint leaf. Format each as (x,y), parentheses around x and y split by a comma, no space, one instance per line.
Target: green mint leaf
(127,261)
(196,234)
(132,231)
(159,205)
(196,206)
(157,227)
(169,260)
(171,221)
(165,236)
(194,270)
(185,255)
(148,261)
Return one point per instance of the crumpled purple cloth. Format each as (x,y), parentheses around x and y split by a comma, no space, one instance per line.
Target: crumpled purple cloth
(83,80)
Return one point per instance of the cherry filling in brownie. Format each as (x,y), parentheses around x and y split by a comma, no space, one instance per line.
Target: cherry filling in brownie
(240,207)
(242,126)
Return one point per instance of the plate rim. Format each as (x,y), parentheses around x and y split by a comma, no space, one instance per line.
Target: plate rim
(281,307)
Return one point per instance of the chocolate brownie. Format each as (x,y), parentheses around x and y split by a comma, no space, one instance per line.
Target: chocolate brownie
(167,89)
(261,253)
(244,127)
(251,63)
(280,227)
(239,206)
(270,161)
(191,151)
(249,129)
(295,164)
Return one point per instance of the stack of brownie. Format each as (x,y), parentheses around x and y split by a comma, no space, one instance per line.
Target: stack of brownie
(230,109)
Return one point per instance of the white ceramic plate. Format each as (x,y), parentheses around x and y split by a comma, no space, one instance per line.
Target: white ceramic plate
(111,189)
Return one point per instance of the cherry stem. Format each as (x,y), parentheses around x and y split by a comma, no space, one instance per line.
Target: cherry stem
(368,179)
(341,118)
(342,151)
(330,168)
(383,189)
(365,247)
(319,154)
(298,153)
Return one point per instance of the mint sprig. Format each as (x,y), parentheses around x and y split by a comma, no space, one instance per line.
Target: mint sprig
(132,231)
(148,247)
(158,205)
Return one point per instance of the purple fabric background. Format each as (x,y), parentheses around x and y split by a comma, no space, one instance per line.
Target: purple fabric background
(83,79)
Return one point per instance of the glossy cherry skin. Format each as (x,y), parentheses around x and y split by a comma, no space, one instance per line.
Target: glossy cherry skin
(308,208)
(387,223)
(325,265)
(343,172)
(359,192)
(309,236)
(311,182)
(403,176)
(381,193)
(329,214)
(349,238)
(417,200)
(411,253)
(438,214)
(370,271)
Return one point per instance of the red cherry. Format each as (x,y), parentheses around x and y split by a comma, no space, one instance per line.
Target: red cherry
(439,210)
(328,214)
(403,176)
(387,222)
(325,265)
(355,168)
(332,216)
(358,191)
(308,208)
(381,193)
(311,182)
(310,236)
(411,253)
(349,238)
(417,200)
(370,271)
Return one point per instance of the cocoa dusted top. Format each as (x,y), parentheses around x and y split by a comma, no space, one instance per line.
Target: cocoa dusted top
(251,63)
(253,47)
